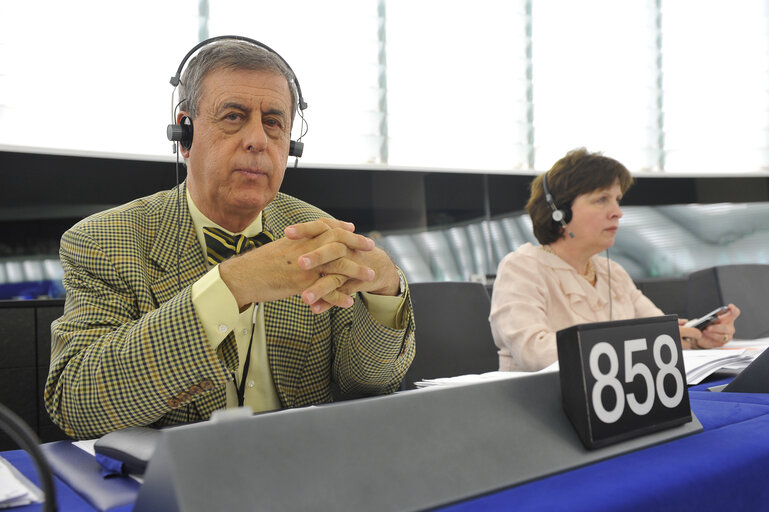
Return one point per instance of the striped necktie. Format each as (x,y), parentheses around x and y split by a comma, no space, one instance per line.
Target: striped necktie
(221,245)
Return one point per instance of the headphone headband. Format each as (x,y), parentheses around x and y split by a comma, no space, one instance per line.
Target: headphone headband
(548,196)
(176,79)
(182,132)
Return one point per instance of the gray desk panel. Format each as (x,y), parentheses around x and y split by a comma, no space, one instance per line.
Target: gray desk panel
(409,451)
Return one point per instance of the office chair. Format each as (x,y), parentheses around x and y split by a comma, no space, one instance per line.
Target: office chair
(743,285)
(453,335)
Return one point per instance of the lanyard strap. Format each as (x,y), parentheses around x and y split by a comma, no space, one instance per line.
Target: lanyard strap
(241,389)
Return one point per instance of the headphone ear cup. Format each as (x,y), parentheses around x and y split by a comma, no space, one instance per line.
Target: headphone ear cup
(181,132)
(566,214)
(296,148)
(557,215)
(187,131)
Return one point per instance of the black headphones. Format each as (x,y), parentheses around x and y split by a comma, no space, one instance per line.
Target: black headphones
(559,215)
(183,131)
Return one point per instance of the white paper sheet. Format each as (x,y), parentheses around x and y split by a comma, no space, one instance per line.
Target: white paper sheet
(15,488)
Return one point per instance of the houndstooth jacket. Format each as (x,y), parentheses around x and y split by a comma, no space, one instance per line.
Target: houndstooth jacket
(130,350)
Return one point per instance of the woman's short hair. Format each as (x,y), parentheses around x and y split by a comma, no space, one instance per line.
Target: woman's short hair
(579,172)
(235,55)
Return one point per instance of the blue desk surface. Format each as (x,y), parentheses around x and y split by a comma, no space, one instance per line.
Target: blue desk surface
(725,467)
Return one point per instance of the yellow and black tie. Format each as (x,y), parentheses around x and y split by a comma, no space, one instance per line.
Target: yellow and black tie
(221,245)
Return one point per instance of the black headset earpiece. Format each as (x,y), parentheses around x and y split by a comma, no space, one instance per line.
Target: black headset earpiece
(182,132)
(563,216)
(296,148)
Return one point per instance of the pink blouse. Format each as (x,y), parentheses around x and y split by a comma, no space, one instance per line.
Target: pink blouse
(536,294)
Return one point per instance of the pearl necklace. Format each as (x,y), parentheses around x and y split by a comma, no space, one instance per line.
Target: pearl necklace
(588,275)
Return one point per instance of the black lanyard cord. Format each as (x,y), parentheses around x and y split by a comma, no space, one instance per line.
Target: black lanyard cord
(242,387)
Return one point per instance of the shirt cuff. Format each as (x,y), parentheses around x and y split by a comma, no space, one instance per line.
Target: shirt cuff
(385,309)
(388,310)
(215,305)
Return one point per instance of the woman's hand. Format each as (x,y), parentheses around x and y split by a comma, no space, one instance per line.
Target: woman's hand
(720,331)
(690,336)
(714,335)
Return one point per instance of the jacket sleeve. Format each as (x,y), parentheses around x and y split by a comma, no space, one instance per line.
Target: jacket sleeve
(118,359)
(367,358)
(371,358)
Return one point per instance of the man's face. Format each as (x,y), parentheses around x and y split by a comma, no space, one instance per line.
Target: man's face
(240,145)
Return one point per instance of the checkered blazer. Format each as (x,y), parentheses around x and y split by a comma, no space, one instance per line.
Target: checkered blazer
(129,349)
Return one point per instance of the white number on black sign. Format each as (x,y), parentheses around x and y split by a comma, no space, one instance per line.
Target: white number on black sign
(654,386)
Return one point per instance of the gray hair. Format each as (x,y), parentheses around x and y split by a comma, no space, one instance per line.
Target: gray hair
(234,55)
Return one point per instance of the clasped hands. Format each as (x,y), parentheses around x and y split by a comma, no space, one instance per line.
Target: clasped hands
(323,260)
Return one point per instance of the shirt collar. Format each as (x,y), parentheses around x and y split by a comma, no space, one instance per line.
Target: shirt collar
(570,282)
(199,220)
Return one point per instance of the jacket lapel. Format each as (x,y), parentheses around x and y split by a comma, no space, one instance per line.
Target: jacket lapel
(179,263)
(287,349)
(176,252)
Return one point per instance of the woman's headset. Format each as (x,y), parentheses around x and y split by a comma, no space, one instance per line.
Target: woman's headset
(559,215)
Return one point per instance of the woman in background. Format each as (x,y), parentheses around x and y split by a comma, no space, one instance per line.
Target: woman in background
(539,290)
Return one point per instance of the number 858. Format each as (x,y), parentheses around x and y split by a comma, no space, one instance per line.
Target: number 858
(632,370)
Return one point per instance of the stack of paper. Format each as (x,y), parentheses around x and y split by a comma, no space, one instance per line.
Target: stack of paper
(15,488)
(732,358)
(483,377)
(464,379)
(758,344)
(701,363)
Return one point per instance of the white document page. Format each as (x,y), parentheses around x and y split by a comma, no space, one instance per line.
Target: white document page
(15,488)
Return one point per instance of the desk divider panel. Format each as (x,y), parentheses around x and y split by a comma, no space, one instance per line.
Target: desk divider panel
(409,451)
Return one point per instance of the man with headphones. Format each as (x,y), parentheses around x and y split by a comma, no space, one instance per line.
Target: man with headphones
(162,326)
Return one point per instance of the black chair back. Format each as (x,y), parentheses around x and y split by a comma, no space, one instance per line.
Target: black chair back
(745,286)
(453,335)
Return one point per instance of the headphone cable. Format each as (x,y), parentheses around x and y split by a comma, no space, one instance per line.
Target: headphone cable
(608,268)
(175,150)
(178,226)
(12,425)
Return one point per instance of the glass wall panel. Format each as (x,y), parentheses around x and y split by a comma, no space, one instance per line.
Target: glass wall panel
(594,80)
(457,84)
(716,85)
(332,47)
(89,75)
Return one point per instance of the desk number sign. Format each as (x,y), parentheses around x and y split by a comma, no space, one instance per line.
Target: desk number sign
(623,379)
